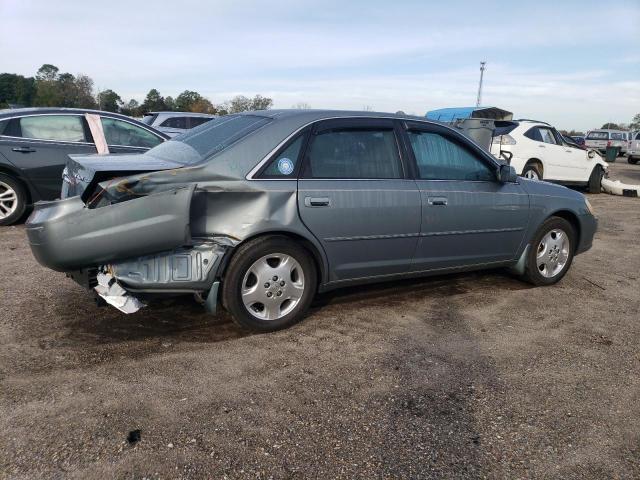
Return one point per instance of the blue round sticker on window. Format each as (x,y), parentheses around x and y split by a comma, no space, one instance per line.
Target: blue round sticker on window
(285,166)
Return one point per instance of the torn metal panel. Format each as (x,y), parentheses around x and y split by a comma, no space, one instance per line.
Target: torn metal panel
(180,270)
(65,235)
(109,289)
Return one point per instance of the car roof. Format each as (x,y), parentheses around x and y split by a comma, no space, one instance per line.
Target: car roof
(181,114)
(17,112)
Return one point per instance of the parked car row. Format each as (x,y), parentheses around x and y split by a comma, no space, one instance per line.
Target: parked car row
(175,123)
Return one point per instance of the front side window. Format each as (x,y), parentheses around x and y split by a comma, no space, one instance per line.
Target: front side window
(60,128)
(547,136)
(125,134)
(439,158)
(354,154)
(284,164)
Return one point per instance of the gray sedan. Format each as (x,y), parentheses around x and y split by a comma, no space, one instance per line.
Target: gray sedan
(260,211)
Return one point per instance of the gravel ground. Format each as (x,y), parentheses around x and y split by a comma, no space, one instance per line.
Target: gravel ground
(465,376)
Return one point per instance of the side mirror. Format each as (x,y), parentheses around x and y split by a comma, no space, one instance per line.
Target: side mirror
(507,174)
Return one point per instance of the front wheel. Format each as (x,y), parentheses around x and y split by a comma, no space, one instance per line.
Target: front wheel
(595,179)
(532,172)
(632,160)
(13,200)
(551,252)
(270,284)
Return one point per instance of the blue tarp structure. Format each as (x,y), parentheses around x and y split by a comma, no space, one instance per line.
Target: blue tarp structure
(462,113)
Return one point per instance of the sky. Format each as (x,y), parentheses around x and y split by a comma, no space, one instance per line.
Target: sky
(575,64)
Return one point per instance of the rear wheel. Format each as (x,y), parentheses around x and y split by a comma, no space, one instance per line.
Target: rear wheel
(270,284)
(551,252)
(632,160)
(13,200)
(532,172)
(595,179)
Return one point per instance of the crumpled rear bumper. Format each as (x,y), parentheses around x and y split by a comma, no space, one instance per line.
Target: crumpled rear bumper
(66,235)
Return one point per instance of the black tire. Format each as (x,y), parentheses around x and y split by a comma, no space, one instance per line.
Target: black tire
(242,261)
(21,199)
(532,167)
(632,160)
(532,272)
(595,180)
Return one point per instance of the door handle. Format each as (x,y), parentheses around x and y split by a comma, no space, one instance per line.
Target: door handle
(23,149)
(541,146)
(316,201)
(437,201)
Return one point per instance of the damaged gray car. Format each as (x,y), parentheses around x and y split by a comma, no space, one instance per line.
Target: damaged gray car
(260,211)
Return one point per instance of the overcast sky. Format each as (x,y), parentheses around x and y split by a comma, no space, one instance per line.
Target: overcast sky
(575,64)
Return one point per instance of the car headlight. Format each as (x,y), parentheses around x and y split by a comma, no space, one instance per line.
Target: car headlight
(591,154)
(590,207)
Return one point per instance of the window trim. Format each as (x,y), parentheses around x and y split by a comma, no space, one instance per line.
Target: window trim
(457,138)
(354,124)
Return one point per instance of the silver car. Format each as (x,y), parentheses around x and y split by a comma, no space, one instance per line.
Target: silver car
(260,211)
(175,123)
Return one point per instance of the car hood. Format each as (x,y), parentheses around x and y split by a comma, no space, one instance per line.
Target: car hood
(83,171)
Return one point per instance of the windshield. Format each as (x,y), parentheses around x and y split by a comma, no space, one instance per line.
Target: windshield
(149,118)
(208,139)
(598,136)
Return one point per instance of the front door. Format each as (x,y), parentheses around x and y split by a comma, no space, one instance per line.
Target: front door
(356,198)
(468,216)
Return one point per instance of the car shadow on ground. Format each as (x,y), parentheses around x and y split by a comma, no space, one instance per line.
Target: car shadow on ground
(181,319)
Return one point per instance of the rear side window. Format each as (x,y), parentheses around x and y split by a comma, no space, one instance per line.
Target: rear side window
(196,121)
(125,134)
(60,128)
(216,135)
(534,134)
(439,158)
(175,122)
(598,136)
(284,164)
(354,154)
(617,136)
(638,136)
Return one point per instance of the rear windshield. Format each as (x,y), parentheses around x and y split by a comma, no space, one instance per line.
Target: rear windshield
(598,136)
(502,127)
(210,138)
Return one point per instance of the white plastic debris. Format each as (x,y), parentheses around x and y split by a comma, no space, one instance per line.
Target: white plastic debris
(619,188)
(109,289)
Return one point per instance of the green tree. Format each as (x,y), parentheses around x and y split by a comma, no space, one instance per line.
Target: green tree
(153,102)
(67,91)
(109,100)
(635,123)
(16,90)
(170,103)
(611,126)
(186,99)
(47,87)
(240,103)
(131,108)
(84,92)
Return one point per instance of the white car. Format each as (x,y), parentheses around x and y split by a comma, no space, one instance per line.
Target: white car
(175,123)
(537,151)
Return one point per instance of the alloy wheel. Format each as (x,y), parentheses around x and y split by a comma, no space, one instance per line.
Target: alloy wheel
(553,253)
(272,286)
(8,200)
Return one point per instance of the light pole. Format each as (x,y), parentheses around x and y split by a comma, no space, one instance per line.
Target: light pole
(482,66)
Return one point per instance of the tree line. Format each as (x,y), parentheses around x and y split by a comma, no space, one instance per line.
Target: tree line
(50,88)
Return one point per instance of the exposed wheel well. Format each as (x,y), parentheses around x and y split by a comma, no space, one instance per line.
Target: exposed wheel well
(310,247)
(17,177)
(573,220)
(537,163)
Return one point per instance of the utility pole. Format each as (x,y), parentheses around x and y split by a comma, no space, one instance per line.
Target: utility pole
(482,66)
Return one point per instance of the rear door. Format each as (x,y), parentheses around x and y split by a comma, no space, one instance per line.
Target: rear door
(39,145)
(355,196)
(468,216)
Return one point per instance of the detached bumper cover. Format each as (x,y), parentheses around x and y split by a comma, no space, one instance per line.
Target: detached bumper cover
(65,235)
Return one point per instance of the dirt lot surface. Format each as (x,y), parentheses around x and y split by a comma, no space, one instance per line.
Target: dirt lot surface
(466,376)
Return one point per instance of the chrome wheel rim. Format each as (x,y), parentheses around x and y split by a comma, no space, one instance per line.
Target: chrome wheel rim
(272,286)
(8,200)
(531,174)
(553,253)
